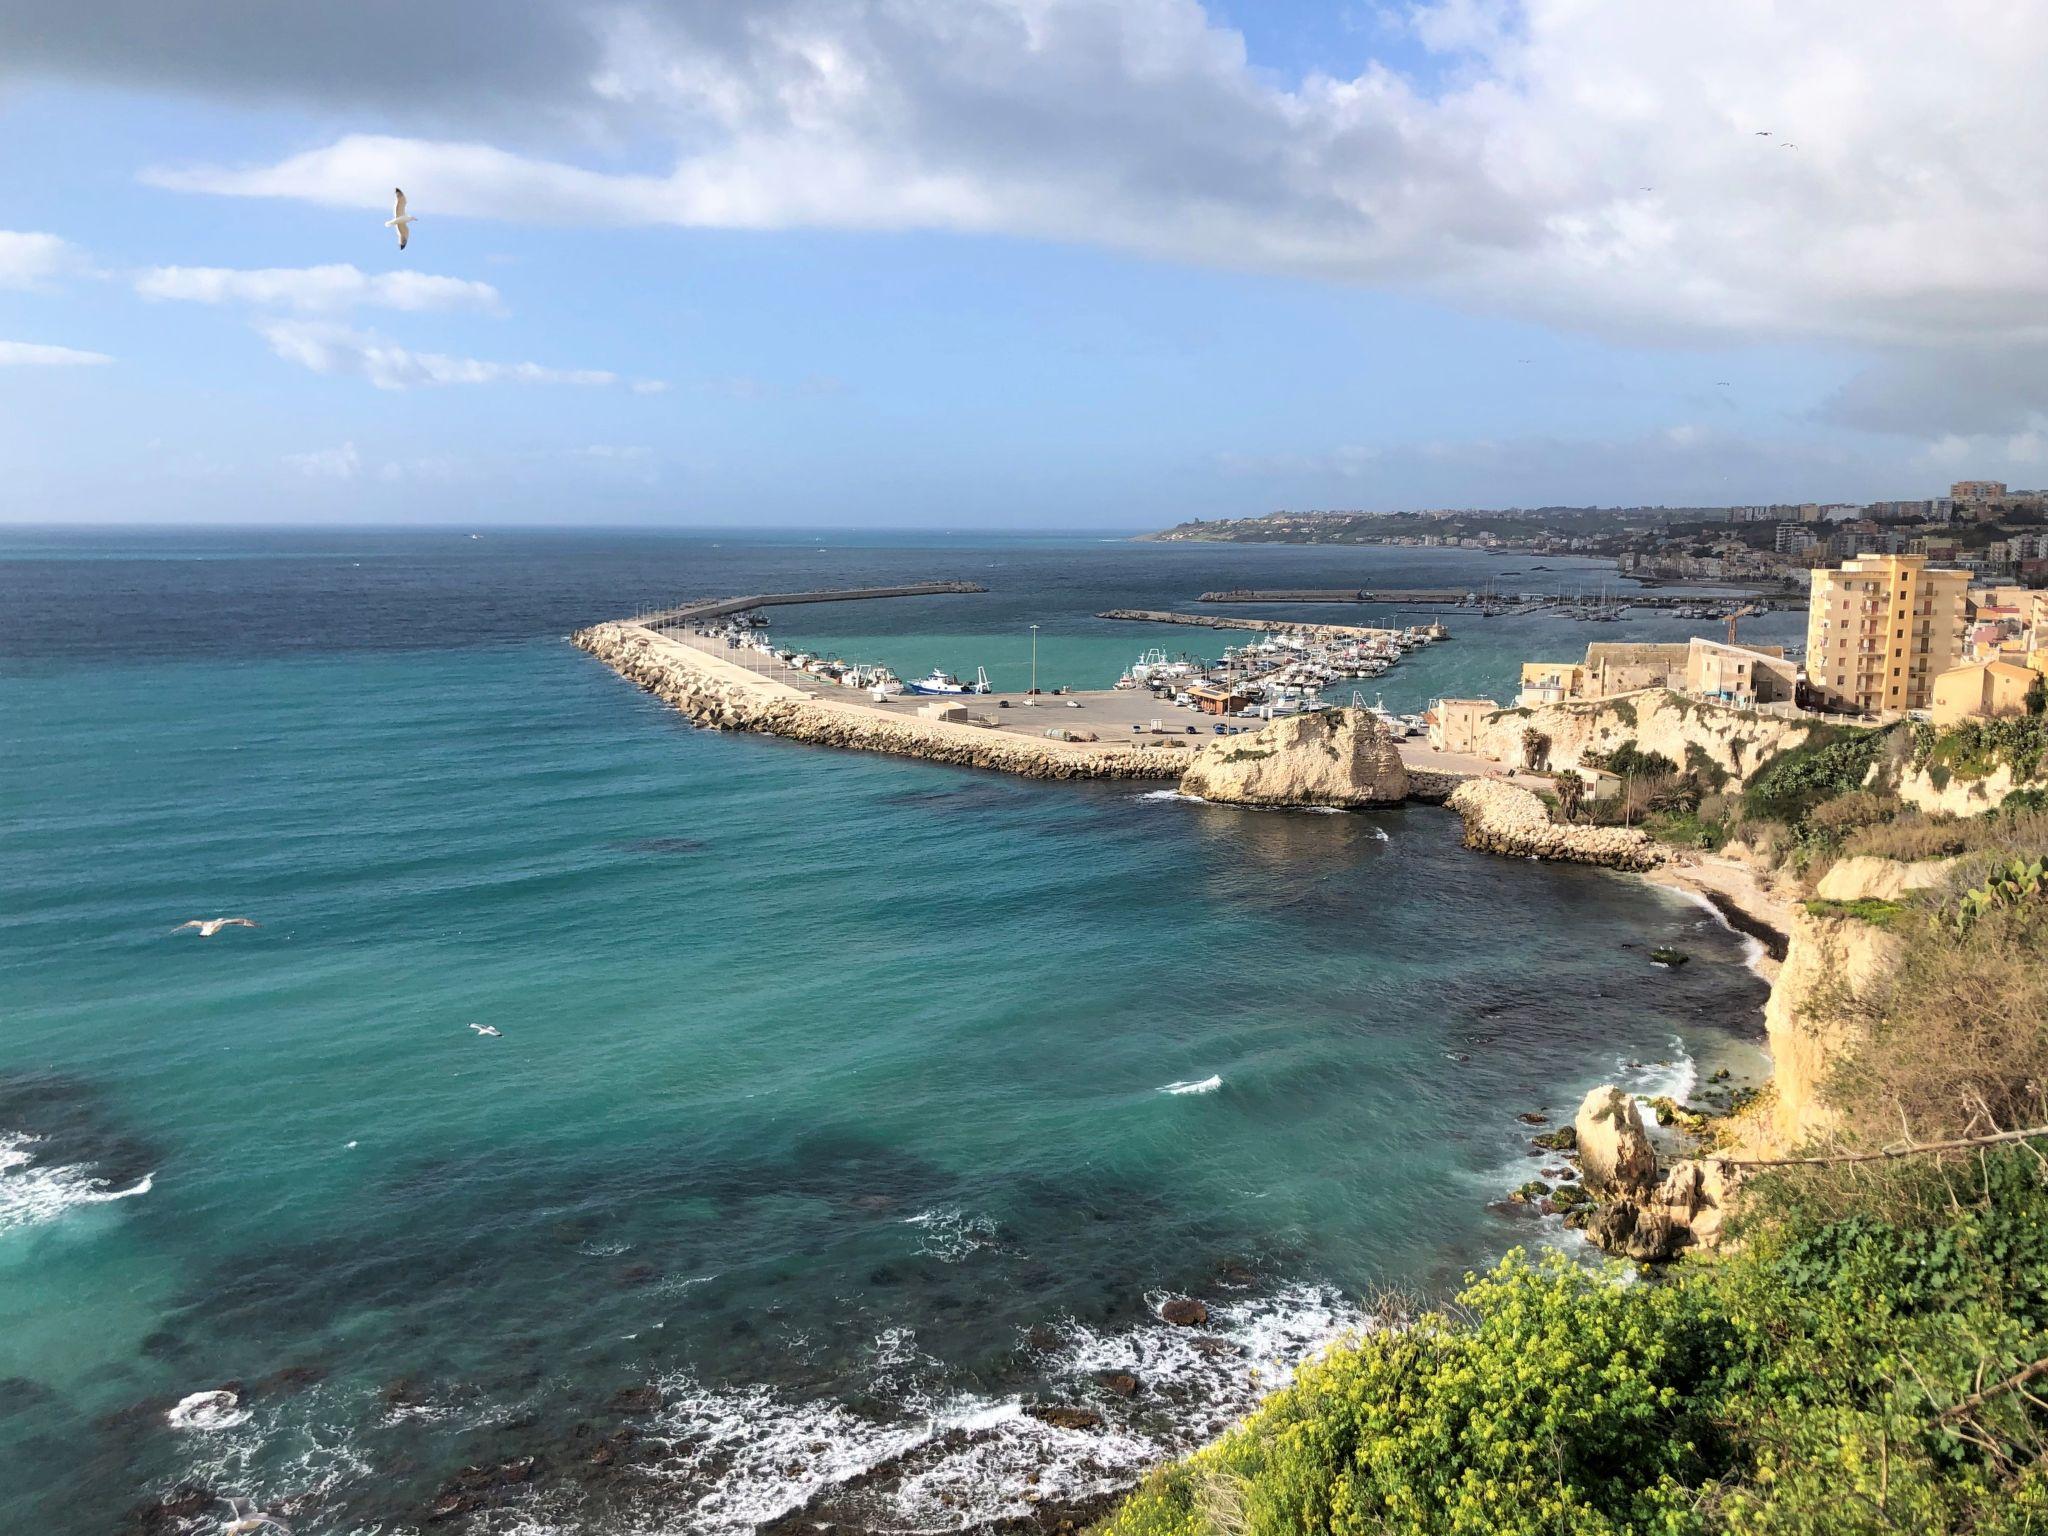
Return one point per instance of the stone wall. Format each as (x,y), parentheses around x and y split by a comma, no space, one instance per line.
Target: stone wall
(1508,819)
(716,693)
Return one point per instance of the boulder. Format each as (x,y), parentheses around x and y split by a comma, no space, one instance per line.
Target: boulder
(1632,1231)
(1694,1196)
(1059,1416)
(1184,1312)
(1340,757)
(1615,1155)
(1117,1383)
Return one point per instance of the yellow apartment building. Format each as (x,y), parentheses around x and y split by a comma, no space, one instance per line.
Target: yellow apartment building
(1880,630)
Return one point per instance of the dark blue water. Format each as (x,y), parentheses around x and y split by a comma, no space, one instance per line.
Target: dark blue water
(832,1094)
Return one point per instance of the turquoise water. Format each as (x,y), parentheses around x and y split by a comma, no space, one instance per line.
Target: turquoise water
(831,1095)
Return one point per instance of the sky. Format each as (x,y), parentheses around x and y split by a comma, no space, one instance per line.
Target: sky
(1013,263)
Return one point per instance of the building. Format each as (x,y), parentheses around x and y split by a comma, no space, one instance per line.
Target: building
(1550,682)
(1981,689)
(1213,700)
(1739,674)
(1976,492)
(1455,725)
(1880,629)
(1792,539)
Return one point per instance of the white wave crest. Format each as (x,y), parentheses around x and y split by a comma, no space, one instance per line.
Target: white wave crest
(32,1193)
(1204,1085)
(1170,794)
(207,1412)
(950,1234)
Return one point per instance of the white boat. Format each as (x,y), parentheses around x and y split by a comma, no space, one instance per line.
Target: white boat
(942,681)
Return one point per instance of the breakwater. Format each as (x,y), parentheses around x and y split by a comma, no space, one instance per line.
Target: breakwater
(719,607)
(714,692)
(1262,626)
(1508,819)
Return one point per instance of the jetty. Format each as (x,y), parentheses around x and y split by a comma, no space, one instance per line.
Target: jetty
(720,607)
(1492,602)
(1261,626)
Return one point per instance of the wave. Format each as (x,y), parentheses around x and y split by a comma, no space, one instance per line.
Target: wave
(208,1411)
(33,1193)
(1170,794)
(950,1234)
(1205,1085)
(1673,1078)
(1753,948)
(960,1460)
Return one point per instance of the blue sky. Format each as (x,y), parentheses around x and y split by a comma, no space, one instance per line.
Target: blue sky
(1007,263)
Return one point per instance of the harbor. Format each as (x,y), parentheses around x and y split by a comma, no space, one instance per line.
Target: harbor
(1492,602)
(720,663)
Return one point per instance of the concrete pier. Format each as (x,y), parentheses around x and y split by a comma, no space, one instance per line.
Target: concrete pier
(1262,626)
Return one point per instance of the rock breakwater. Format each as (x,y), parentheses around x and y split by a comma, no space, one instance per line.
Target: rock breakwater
(1508,819)
(716,693)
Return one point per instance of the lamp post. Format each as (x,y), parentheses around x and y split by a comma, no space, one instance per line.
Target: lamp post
(1032,697)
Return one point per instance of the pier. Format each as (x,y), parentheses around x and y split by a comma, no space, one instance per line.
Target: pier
(1261,626)
(1492,603)
(720,607)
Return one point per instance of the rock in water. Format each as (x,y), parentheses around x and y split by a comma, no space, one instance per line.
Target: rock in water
(1184,1312)
(1615,1155)
(1340,757)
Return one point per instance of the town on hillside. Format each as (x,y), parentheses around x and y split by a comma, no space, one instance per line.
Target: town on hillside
(1982,527)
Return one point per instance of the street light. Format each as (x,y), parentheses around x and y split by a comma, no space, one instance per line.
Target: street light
(1032,696)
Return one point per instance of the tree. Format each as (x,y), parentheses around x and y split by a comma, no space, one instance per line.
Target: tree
(1535,748)
(1571,789)
(2037,694)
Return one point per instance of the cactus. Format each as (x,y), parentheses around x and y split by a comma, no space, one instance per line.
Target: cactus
(2006,886)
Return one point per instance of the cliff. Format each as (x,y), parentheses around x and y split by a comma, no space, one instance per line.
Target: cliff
(1689,732)
(1340,757)
(1507,819)
(714,692)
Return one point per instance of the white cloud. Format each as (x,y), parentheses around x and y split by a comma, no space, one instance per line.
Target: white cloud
(342,463)
(29,354)
(333,349)
(30,259)
(650,386)
(315,289)
(1592,162)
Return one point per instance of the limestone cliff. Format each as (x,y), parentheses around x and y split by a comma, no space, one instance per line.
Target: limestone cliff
(1941,793)
(1340,757)
(1508,819)
(1690,732)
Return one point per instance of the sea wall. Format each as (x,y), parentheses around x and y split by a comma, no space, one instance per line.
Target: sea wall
(1508,819)
(1686,730)
(717,693)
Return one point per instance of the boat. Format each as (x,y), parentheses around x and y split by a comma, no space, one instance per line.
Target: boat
(941,681)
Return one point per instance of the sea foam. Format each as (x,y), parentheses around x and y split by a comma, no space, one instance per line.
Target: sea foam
(1204,1085)
(32,1193)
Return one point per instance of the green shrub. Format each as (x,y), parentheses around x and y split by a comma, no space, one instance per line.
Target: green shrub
(1870,909)
(1977,748)
(1833,762)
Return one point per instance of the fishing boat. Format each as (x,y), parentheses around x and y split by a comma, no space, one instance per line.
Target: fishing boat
(941,681)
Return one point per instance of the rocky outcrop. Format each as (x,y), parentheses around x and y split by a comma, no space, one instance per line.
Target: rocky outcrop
(1940,792)
(715,693)
(1866,878)
(1508,819)
(1615,1155)
(1691,732)
(1828,962)
(1340,757)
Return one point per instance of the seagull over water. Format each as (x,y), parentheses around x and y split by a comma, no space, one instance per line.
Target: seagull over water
(245,1519)
(490,1030)
(400,220)
(209,926)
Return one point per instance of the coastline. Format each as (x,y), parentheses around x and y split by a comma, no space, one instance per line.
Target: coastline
(1744,900)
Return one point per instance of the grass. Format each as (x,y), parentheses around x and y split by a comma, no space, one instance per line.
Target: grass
(1874,910)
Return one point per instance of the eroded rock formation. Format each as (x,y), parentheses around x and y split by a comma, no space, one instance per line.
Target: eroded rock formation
(1340,757)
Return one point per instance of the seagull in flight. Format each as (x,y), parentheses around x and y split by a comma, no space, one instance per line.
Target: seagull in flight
(1762,133)
(400,220)
(1788,145)
(490,1031)
(209,926)
(245,1519)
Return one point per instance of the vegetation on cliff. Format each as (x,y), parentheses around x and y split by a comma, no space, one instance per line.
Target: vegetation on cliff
(1870,1357)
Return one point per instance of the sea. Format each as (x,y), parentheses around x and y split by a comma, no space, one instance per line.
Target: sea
(848,1120)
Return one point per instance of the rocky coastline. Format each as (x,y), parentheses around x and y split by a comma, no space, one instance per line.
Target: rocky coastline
(1507,819)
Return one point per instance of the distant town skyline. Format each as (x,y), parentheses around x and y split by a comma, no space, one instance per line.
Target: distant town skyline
(1064,264)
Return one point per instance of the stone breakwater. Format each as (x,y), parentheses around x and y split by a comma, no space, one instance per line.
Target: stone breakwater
(1508,819)
(1260,626)
(716,693)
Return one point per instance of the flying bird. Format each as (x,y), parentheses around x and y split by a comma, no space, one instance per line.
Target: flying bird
(400,220)
(245,1519)
(1788,145)
(209,926)
(1762,133)
(490,1030)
